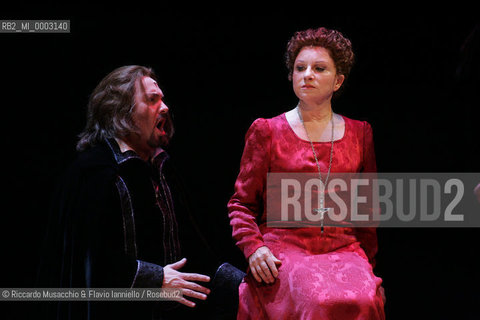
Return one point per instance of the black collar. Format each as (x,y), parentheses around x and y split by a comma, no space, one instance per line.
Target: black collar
(120,157)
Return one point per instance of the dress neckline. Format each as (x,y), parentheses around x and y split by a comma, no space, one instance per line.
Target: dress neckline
(284,117)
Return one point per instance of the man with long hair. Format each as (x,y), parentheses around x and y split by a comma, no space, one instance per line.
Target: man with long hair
(113,221)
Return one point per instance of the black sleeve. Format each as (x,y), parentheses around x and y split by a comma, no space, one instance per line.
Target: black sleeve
(85,242)
(108,262)
(148,275)
(85,245)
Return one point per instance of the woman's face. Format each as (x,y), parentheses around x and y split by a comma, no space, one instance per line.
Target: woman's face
(315,77)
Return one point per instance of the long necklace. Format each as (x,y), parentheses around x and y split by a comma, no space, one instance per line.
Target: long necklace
(322,210)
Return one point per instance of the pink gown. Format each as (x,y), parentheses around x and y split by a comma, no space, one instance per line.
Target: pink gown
(322,276)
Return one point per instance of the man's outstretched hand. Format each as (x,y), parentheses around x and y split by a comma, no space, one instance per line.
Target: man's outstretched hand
(172,278)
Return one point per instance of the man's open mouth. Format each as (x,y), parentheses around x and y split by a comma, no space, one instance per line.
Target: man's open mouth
(160,125)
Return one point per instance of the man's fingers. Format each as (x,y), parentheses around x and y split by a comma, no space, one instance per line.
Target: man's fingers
(194,294)
(179,264)
(186,302)
(193,290)
(196,277)
(196,287)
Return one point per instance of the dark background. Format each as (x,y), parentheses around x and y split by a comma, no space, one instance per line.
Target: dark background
(416,80)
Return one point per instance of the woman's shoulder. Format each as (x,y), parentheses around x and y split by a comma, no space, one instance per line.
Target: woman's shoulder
(356,124)
(272,121)
(266,126)
(268,123)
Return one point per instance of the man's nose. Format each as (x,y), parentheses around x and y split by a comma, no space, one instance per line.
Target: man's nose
(163,108)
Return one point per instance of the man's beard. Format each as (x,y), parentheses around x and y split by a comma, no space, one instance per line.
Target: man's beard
(154,141)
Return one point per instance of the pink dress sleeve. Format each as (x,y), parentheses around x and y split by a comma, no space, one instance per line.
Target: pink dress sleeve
(247,203)
(368,236)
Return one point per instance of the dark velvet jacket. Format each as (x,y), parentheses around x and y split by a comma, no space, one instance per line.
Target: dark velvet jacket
(112,225)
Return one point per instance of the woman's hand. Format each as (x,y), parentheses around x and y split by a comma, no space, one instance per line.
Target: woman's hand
(263,265)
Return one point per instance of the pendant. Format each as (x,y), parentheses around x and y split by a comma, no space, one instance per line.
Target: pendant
(321,211)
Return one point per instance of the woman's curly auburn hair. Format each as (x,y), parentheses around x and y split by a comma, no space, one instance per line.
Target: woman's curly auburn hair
(339,47)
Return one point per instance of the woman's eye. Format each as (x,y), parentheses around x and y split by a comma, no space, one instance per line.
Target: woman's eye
(299,68)
(319,69)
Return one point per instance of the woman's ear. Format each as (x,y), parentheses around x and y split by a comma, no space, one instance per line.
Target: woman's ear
(339,78)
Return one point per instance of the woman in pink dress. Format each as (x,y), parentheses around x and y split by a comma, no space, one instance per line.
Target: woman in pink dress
(305,273)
